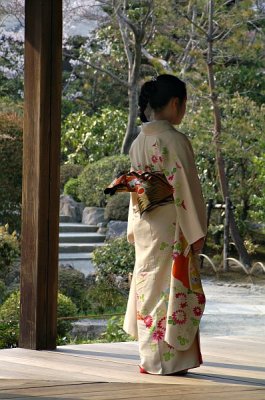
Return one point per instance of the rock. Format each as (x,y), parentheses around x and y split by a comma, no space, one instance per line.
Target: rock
(93,215)
(116,229)
(88,328)
(102,228)
(71,208)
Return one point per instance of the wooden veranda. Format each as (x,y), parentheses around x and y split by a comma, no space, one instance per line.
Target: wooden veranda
(233,369)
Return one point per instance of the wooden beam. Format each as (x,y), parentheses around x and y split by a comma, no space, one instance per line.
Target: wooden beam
(41,155)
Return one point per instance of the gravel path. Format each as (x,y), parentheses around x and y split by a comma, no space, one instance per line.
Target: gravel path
(233,309)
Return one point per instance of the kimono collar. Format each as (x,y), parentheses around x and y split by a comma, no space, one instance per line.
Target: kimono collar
(155,127)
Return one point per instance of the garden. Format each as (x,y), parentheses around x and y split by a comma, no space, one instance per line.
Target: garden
(224,121)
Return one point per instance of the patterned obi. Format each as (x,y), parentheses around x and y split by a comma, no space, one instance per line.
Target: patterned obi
(152,188)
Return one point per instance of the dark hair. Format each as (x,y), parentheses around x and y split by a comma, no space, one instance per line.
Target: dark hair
(158,92)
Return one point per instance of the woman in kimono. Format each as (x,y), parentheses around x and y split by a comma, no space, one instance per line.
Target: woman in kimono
(166,299)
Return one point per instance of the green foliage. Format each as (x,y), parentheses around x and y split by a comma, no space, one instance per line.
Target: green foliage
(101,297)
(11,169)
(117,207)
(115,259)
(65,308)
(73,284)
(97,176)
(242,124)
(9,321)
(9,318)
(89,138)
(69,171)
(9,251)
(71,188)
(257,198)
(115,332)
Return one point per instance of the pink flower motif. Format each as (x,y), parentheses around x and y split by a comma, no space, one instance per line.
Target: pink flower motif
(158,335)
(197,311)
(201,298)
(154,159)
(179,317)
(181,296)
(148,321)
(171,177)
(184,304)
(162,324)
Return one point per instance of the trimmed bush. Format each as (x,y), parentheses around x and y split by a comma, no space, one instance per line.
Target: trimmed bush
(97,176)
(117,207)
(9,251)
(102,298)
(71,188)
(9,318)
(73,284)
(65,308)
(68,171)
(115,260)
(88,138)
(11,169)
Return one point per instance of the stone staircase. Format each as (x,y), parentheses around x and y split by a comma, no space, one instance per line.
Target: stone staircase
(76,243)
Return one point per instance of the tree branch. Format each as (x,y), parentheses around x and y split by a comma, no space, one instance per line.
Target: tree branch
(98,68)
(156,59)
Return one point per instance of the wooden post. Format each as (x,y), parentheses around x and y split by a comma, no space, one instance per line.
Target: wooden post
(40,198)
(226,233)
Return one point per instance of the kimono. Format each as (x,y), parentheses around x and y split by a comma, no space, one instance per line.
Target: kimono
(166,299)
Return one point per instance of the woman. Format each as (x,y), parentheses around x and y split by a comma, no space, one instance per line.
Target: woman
(166,300)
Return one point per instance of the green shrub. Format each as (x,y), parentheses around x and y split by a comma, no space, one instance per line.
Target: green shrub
(89,138)
(3,291)
(117,207)
(73,284)
(68,171)
(115,259)
(11,169)
(9,321)
(102,298)
(9,250)
(65,308)
(9,318)
(114,331)
(97,176)
(71,188)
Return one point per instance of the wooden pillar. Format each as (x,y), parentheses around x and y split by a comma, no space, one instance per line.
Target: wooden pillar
(41,155)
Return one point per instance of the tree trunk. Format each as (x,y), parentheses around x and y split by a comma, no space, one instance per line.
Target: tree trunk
(133,79)
(243,255)
(131,131)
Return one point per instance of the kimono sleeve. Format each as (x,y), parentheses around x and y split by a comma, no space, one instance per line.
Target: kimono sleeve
(181,172)
(130,235)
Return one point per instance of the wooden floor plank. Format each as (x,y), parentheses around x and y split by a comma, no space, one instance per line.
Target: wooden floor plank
(234,368)
(127,391)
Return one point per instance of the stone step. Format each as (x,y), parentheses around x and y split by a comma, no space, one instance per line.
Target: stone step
(86,237)
(75,257)
(78,247)
(65,218)
(75,227)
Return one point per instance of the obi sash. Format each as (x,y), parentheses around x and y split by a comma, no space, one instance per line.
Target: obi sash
(152,188)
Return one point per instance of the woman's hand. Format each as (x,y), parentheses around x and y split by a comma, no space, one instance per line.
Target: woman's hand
(197,246)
